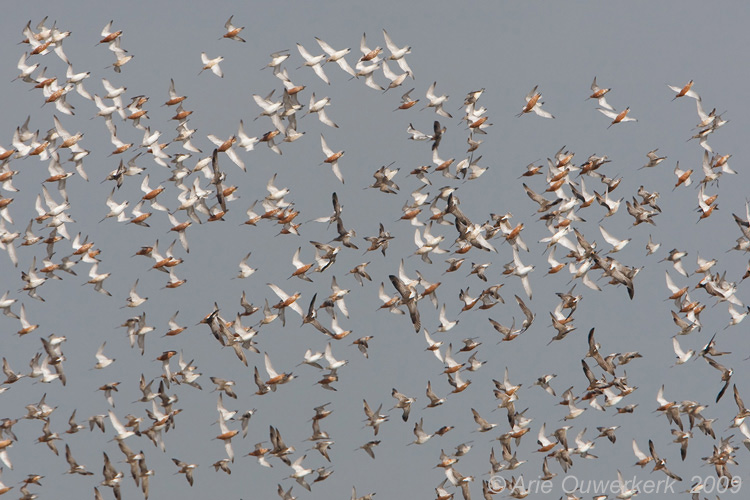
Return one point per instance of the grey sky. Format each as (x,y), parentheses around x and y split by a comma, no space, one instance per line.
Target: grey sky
(506,48)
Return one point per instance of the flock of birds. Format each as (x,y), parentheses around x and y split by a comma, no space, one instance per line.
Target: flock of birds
(186,183)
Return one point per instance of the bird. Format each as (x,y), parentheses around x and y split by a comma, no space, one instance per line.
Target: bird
(660,463)
(533,104)
(409,299)
(122,433)
(187,469)
(26,326)
(226,436)
(276,59)
(102,361)
(598,94)
(212,64)
(651,246)
(336,56)
(300,472)
(421,436)
(396,79)
(245,270)
(484,425)
(682,356)
(116,209)
(374,420)
(617,117)
(135,300)
(653,159)
(369,54)
(368,447)
(332,158)
(97,279)
(404,403)
(522,271)
(398,54)
(314,62)
(406,101)
(686,90)
(434,399)
(108,35)
(437,101)
(726,375)
(617,244)
(683,176)
(318,107)
(232,31)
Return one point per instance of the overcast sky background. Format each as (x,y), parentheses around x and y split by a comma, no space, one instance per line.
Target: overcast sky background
(505,47)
